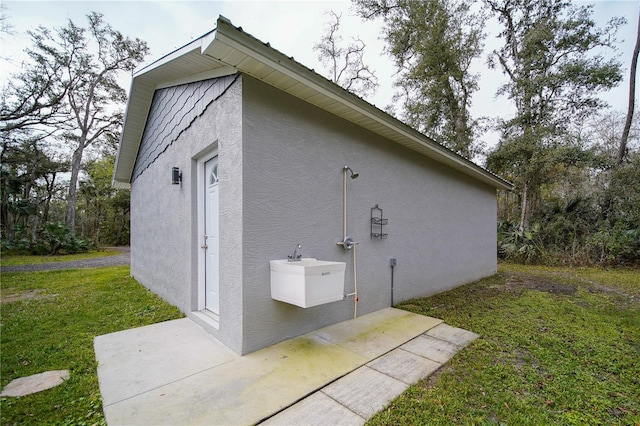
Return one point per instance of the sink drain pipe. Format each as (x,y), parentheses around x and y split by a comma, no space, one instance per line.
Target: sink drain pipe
(392,262)
(355,283)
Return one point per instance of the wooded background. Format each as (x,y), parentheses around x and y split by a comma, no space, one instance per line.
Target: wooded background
(574,161)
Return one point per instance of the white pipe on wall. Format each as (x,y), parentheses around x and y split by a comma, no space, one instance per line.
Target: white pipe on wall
(355,283)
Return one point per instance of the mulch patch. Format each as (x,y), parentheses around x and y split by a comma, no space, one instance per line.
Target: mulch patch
(526,282)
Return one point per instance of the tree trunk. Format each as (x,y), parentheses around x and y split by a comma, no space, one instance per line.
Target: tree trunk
(97,225)
(34,228)
(524,209)
(73,189)
(622,151)
(4,209)
(47,202)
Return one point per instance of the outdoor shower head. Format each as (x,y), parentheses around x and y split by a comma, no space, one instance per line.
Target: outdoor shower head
(353,175)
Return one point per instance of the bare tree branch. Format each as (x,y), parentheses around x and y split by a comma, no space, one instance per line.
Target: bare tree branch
(345,62)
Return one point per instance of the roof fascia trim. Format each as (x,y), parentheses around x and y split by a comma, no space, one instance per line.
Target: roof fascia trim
(117,181)
(206,75)
(236,39)
(196,44)
(120,185)
(145,94)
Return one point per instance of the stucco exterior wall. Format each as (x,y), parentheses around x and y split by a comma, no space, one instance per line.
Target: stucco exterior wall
(280,162)
(165,241)
(442,224)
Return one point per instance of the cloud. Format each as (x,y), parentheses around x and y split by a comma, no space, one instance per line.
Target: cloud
(293,27)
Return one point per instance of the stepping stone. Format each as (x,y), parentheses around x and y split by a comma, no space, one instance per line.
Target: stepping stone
(35,383)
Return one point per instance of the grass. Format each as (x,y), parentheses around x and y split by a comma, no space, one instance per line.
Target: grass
(17,260)
(49,321)
(558,346)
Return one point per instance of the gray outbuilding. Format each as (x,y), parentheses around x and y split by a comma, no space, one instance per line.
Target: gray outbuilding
(235,153)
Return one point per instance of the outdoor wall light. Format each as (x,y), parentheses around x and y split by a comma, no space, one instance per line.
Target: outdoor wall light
(176,176)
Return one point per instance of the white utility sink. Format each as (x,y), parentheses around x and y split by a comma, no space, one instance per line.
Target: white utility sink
(307,282)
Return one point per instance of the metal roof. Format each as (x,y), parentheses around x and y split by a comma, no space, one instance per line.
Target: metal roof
(228,50)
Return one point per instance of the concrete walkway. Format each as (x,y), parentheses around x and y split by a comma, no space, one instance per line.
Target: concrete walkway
(176,373)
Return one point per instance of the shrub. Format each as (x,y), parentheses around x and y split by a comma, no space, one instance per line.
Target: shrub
(54,238)
(520,246)
(615,245)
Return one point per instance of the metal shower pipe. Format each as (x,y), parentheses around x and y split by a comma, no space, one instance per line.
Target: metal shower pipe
(346,242)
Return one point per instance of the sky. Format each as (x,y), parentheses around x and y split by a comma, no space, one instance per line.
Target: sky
(292,27)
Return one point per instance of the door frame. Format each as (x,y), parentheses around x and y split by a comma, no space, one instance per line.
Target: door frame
(201,202)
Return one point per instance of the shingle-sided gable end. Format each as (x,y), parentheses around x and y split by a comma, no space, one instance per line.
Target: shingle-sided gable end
(172,111)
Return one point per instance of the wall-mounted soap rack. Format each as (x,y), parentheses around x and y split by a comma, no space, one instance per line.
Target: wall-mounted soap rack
(377,223)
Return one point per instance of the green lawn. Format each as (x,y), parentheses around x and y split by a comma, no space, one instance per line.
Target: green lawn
(558,346)
(16,260)
(49,320)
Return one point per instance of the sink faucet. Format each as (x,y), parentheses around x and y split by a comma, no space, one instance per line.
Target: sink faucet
(295,257)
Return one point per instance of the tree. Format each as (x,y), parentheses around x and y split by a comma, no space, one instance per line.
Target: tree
(622,151)
(603,132)
(587,209)
(5,27)
(433,44)
(106,210)
(34,98)
(28,184)
(70,86)
(554,76)
(345,63)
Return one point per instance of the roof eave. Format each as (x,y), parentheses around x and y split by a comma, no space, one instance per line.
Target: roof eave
(232,50)
(143,85)
(229,37)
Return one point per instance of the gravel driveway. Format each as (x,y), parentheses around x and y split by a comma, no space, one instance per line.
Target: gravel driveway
(123,258)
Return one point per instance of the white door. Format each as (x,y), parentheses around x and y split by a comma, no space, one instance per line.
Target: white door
(211,231)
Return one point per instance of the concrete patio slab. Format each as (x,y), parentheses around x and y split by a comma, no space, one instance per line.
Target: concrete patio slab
(429,347)
(175,373)
(134,361)
(404,366)
(457,336)
(365,391)
(243,391)
(375,334)
(369,389)
(317,410)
